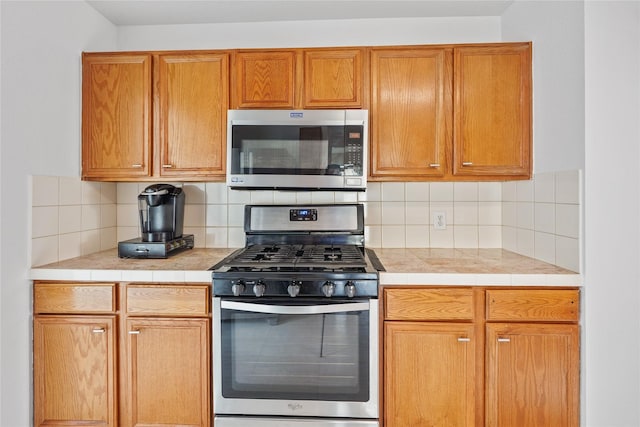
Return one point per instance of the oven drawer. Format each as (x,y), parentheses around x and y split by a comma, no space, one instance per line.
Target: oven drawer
(428,304)
(557,305)
(167,300)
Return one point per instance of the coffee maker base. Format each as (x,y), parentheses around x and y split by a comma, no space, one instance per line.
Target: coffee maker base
(137,248)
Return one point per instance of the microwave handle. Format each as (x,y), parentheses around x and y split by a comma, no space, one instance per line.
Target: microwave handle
(294,309)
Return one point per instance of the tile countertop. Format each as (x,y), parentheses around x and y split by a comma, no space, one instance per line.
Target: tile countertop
(403,266)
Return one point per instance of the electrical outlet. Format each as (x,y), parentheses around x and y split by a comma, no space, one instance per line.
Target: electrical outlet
(439,221)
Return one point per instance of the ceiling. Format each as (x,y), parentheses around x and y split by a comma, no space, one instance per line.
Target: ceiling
(167,12)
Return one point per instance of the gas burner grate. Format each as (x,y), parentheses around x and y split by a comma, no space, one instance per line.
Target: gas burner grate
(299,257)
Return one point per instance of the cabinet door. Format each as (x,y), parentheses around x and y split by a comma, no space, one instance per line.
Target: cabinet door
(193,101)
(116,125)
(410,112)
(168,372)
(532,375)
(429,374)
(74,370)
(333,78)
(492,110)
(265,79)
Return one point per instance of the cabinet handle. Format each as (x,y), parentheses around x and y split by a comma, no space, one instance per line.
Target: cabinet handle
(167,166)
(137,165)
(467,163)
(98,330)
(434,165)
(134,332)
(504,339)
(463,339)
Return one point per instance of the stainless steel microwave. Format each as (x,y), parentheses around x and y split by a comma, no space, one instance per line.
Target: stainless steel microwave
(297,149)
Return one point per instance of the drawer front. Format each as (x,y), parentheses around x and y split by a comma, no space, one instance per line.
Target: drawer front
(73,298)
(174,300)
(428,304)
(562,305)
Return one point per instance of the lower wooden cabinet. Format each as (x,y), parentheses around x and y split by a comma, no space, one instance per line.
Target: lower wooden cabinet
(122,355)
(473,357)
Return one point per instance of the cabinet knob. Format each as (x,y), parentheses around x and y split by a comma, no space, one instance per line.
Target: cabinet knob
(137,165)
(504,340)
(134,332)
(434,165)
(464,339)
(98,330)
(167,166)
(467,163)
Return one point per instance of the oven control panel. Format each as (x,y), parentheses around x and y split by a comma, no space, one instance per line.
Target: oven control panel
(303,215)
(295,288)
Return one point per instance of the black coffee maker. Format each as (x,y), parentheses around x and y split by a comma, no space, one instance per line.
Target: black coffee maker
(161,208)
(161,211)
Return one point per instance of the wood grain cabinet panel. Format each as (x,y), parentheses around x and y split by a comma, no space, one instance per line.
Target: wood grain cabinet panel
(167,300)
(429,304)
(52,298)
(532,375)
(333,78)
(410,112)
(116,115)
(265,79)
(168,372)
(533,305)
(429,374)
(492,110)
(193,99)
(74,370)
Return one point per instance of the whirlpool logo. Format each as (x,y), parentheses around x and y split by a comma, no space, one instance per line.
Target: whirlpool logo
(294,406)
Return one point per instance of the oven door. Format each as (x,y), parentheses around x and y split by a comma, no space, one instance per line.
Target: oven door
(296,357)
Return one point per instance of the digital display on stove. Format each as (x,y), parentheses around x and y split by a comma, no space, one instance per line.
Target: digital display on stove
(303,215)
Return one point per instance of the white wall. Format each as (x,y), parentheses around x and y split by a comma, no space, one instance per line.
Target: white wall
(40,55)
(612,190)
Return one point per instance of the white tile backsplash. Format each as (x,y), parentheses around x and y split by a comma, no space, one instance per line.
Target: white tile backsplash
(538,218)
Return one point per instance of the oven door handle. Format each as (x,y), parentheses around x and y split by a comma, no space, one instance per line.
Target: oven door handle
(295,309)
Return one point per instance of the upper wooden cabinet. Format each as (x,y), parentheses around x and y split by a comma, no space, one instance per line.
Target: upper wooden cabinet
(116,115)
(410,116)
(451,112)
(186,138)
(492,110)
(298,78)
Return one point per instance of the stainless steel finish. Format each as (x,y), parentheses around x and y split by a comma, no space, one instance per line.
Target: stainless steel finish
(461,339)
(167,166)
(350,289)
(290,422)
(504,340)
(434,165)
(293,289)
(330,218)
(136,166)
(328,289)
(237,289)
(467,163)
(295,309)
(134,332)
(298,408)
(258,289)
(98,330)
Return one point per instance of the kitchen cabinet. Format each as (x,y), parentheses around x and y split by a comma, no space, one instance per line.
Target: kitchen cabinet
(430,353)
(480,356)
(74,354)
(492,110)
(410,112)
(533,358)
(166,355)
(298,78)
(453,112)
(154,115)
(155,371)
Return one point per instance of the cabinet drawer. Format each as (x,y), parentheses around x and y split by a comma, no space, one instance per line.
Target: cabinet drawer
(561,305)
(428,304)
(74,298)
(188,300)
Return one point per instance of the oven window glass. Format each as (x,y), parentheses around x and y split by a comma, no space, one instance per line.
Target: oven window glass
(308,357)
(296,150)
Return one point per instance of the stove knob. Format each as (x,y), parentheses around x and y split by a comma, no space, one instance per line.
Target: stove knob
(350,289)
(259,288)
(328,289)
(238,288)
(294,289)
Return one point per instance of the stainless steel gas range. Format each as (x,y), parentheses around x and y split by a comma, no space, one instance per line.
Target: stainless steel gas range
(295,334)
